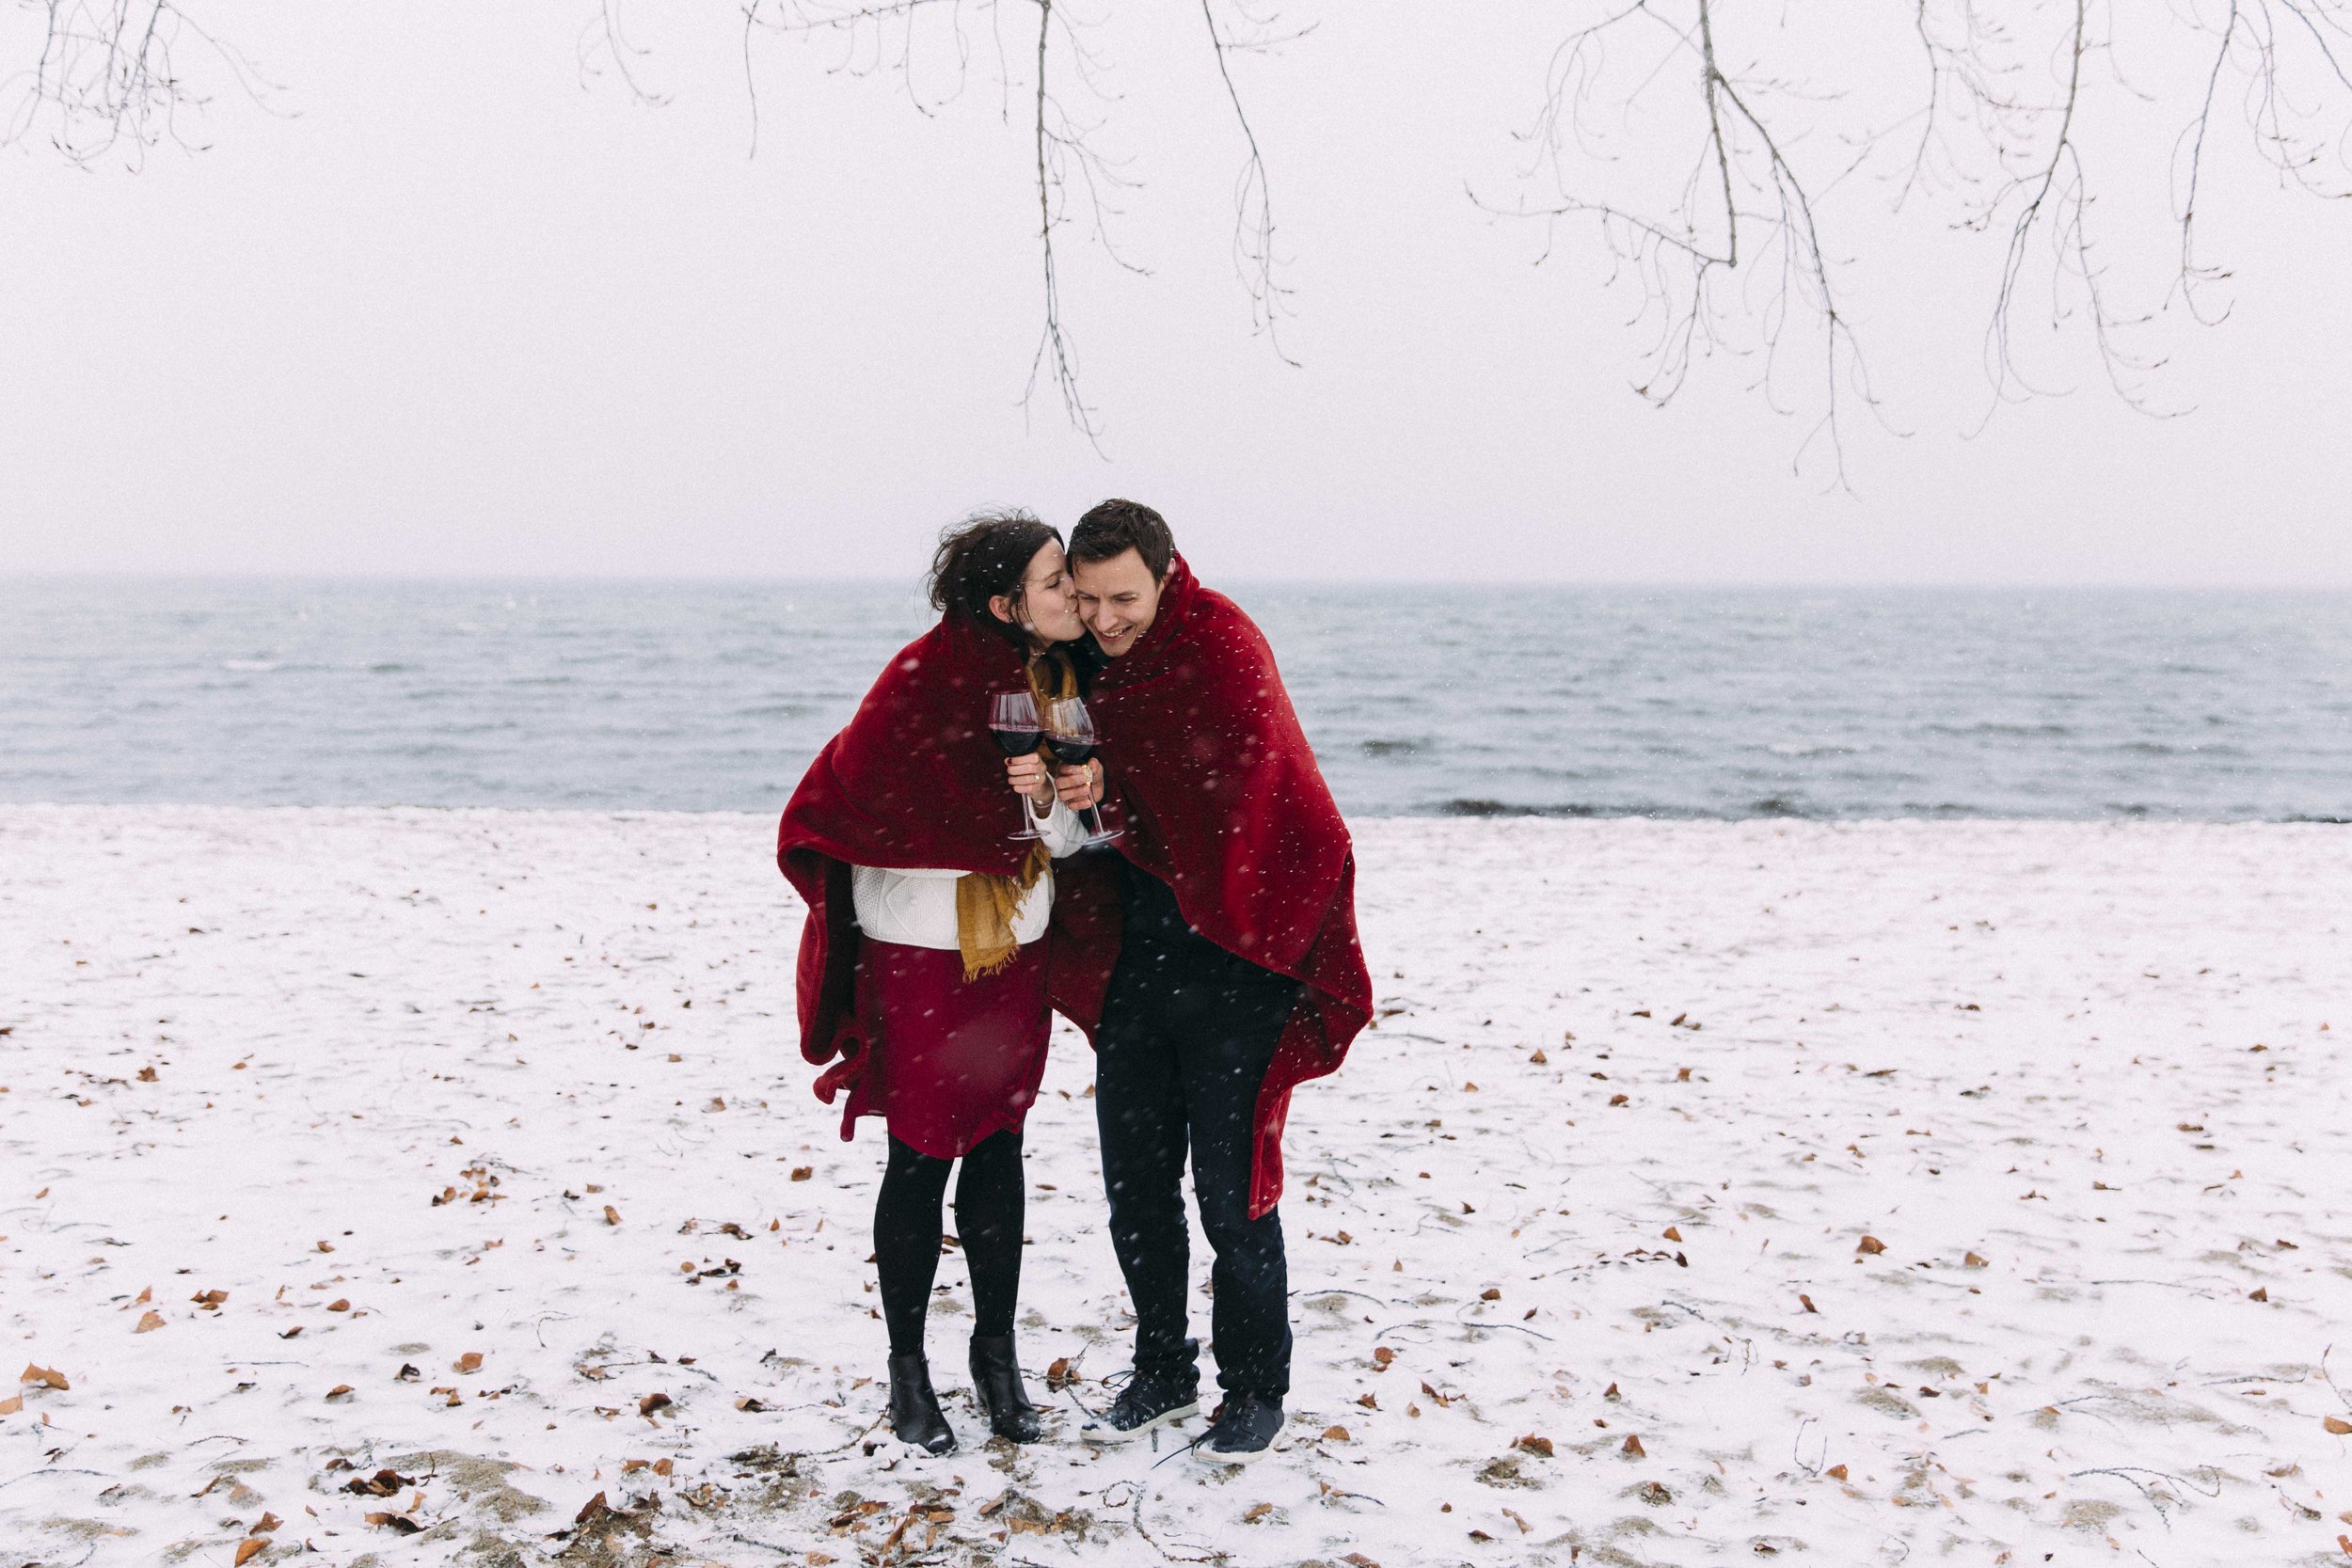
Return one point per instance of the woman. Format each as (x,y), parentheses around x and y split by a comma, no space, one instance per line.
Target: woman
(921,969)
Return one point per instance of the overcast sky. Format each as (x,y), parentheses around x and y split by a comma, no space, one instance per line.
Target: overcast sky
(439,307)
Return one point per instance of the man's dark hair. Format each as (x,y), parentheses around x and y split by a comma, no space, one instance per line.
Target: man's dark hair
(1113,528)
(985,555)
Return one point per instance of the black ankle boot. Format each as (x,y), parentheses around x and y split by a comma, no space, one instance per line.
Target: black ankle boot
(996,1388)
(914,1412)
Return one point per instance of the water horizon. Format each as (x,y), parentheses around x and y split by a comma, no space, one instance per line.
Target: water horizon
(1430,699)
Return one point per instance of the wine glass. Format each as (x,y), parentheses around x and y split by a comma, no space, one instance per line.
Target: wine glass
(1013,717)
(1070,739)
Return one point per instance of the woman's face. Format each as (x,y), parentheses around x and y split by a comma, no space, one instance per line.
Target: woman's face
(1048,605)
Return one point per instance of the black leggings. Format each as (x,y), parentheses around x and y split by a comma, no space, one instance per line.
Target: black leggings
(907,1239)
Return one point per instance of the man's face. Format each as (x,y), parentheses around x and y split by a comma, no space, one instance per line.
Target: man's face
(1118,600)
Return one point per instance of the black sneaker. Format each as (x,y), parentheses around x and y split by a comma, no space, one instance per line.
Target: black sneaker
(1241,1431)
(1149,1400)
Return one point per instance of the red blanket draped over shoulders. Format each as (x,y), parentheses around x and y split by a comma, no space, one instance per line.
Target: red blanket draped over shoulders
(1222,800)
(915,780)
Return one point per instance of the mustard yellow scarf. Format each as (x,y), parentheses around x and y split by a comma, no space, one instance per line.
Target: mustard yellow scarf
(986,904)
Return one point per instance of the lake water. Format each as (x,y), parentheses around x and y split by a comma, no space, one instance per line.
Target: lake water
(1456,699)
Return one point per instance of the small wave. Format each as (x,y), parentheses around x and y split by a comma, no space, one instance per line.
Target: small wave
(1390,748)
(249,665)
(1994,728)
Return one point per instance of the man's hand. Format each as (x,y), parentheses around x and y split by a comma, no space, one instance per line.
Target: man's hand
(1079,788)
(1028,777)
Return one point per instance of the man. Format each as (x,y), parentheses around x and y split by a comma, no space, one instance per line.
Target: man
(1237,974)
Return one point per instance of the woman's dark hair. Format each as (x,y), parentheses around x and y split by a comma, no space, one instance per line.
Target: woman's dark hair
(985,555)
(1112,528)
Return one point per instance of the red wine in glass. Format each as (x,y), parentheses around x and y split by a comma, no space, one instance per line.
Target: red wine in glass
(1012,718)
(1069,741)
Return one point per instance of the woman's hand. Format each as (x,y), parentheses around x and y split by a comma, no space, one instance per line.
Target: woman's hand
(1028,776)
(1081,786)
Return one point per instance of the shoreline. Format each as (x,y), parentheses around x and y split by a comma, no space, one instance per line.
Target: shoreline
(1984,1038)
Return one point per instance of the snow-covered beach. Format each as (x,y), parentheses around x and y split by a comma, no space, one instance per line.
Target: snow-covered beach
(1707,1192)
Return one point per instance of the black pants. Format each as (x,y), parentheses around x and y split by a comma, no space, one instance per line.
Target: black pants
(907,1238)
(1187,1033)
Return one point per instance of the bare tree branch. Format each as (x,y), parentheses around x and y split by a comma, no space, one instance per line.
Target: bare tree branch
(1253,199)
(108,79)
(602,35)
(1052,345)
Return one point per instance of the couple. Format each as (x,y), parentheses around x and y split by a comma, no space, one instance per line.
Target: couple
(1209,952)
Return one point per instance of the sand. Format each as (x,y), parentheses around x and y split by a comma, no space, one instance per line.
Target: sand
(1707,1193)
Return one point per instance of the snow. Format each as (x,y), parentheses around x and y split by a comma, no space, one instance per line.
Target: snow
(2097,1057)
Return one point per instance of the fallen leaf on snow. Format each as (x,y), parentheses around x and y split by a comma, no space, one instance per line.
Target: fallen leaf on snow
(2338,1425)
(652,1403)
(1633,1447)
(149,1321)
(47,1377)
(247,1550)
(1871,1244)
(469,1362)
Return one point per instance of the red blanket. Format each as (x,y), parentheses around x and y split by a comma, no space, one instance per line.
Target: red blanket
(1218,791)
(915,780)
